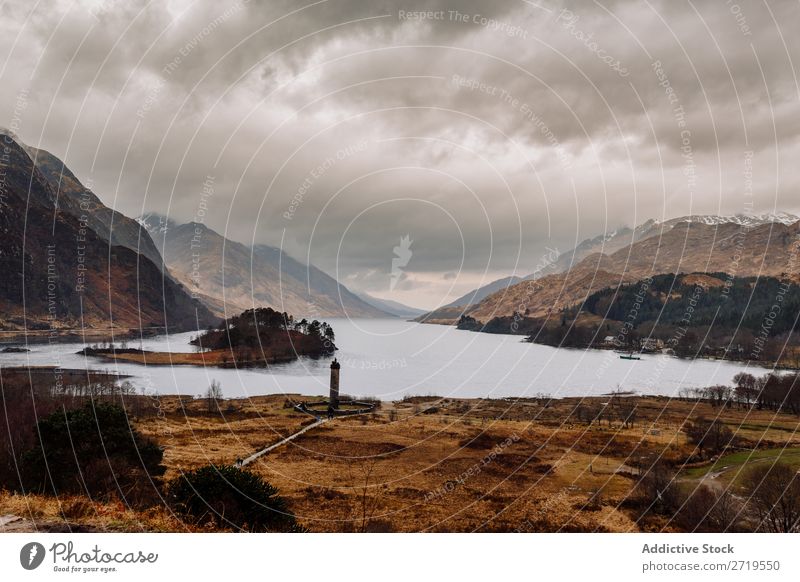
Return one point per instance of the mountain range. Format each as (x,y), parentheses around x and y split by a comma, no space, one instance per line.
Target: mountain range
(73,264)
(230,277)
(743,246)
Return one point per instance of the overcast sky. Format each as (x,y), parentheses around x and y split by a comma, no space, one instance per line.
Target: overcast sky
(486,131)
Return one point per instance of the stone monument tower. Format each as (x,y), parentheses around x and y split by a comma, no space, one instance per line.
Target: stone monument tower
(334,398)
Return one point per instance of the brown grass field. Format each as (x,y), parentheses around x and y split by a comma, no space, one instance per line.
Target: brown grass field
(429,464)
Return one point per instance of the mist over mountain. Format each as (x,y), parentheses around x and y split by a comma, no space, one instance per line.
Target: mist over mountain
(230,277)
(392,307)
(477,295)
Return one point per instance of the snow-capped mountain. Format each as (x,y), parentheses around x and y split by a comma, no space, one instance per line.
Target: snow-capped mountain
(622,249)
(749,220)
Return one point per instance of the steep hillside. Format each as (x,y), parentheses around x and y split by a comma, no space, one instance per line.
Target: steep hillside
(605,243)
(230,277)
(740,246)
(611,242)
(608,244)
(80,202)
(60,274)
(696,314)
(479,294)
(688,247)
(545,296)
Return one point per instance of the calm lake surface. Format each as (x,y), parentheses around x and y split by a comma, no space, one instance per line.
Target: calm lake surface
(391,358)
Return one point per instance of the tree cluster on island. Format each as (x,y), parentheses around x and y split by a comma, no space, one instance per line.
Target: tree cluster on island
(271,333)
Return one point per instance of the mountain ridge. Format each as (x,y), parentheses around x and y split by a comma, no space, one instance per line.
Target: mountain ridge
(229,276)
(747,245)
(71,196)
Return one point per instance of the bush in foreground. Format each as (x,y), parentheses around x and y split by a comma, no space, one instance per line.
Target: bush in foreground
(95,451)
(228,496)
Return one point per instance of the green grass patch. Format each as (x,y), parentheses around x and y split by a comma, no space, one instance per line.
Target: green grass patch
(734,461)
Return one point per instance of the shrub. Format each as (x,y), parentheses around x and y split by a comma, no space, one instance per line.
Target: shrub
(658,490)
(708,510)
(484,440)
(77,508)
(594,501)
(93,450)
(228,496)
(213,395)
(710,436)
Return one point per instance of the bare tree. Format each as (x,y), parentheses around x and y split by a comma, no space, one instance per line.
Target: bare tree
(774,496)
(369,494)
(746,389)
(710,435)
(708,510)
(213,396)
(719,395)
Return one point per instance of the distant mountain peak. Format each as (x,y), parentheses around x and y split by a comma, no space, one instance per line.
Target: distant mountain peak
(156,223)
(391,307)
(230,276)
(751,220)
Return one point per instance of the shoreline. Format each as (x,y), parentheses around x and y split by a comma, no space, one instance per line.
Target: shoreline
(14,337)
(221,358)
(766,364)
(34,370)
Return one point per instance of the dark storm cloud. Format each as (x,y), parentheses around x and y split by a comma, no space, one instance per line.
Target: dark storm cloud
(484,130)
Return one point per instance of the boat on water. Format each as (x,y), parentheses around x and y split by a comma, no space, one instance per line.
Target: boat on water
(629,357)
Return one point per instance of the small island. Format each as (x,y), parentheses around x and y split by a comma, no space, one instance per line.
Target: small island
(256,337)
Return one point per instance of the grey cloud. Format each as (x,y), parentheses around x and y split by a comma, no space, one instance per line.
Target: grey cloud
(148,129)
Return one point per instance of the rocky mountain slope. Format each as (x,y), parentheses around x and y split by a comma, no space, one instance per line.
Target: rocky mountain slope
(611,242)
(546,296)
(230,277)
(60,274)
(768,249)
(740,246)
